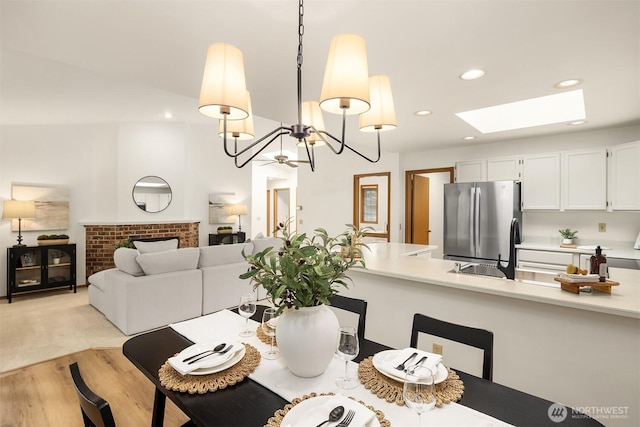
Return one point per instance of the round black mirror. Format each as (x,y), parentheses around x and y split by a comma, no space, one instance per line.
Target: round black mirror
(152,194)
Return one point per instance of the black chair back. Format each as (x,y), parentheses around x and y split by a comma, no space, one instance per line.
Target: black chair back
(353,305)
(479,338)
(95,410)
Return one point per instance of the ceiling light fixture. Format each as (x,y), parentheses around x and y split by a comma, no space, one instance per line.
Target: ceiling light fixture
(472,74)
(422,113)
(347,89)
(469,138)
(567,83)
(577,122)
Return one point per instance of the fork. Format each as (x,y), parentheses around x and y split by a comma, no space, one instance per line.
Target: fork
(347,420)
(400,367)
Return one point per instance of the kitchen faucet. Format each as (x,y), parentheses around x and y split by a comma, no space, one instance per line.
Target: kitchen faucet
(514,238)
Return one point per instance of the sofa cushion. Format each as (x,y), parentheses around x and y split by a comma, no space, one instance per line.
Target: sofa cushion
(159,246)
(97,279)
(222,254)
(125,260)
(260,245)
(169,261)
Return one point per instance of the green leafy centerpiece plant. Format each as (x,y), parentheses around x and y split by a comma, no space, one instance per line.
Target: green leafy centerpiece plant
(299,274)
(568,235)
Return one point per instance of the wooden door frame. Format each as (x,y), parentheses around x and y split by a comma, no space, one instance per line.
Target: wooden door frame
(356,202)
(408,193)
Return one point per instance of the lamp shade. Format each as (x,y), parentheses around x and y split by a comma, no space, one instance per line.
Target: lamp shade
(241,129)
(224,89)
(346,77)
(13,209)
(238,209)
(382,115)
(312,116)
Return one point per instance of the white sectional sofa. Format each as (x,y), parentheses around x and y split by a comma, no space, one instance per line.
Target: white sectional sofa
(153,288)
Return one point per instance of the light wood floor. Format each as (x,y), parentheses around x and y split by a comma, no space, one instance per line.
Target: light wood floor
(43,395)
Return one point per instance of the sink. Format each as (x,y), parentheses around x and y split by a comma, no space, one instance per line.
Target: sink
(532,277)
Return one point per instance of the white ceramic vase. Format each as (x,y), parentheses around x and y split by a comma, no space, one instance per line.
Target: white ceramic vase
(307,339)
(567,241)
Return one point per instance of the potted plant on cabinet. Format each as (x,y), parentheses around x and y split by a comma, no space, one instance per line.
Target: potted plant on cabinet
(299,277)
(567,235)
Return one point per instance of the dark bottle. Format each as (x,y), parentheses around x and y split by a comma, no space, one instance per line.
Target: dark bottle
(599,265)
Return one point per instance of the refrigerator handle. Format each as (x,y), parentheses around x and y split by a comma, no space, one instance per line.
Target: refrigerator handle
(476,219)
(472,225)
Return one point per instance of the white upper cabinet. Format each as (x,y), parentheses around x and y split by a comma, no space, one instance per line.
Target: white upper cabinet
(541,181)
(624,177)
(584,180)
(473,171)
(504,169)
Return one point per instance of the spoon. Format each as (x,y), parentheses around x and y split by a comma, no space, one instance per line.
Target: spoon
(213,353)
(334,415)
(215,350)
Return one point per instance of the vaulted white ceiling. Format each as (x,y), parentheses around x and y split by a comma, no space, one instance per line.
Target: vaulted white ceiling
(98,61)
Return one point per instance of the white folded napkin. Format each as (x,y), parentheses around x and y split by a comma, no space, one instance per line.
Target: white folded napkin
(185,368)
(320,413)
(579,278)
(431,362)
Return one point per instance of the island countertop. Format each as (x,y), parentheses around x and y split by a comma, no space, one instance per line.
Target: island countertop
(395,260)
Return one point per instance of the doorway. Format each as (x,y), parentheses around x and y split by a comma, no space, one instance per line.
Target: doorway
(372,204)
(424,213)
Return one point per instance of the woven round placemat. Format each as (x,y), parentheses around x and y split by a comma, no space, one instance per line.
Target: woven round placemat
(264,337)
(278,416)
(200,384)
(449,390)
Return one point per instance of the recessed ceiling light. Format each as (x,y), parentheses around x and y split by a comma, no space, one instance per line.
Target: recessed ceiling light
(567,83)
(472,75)
(559,108)
(469,138)
(577,122)
(168,115)
(422,113)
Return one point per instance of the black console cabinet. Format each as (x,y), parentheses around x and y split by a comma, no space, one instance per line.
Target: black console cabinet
(226,239)
(33,268)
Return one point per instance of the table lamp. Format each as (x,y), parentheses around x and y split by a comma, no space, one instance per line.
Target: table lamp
(19,209)
(238,210)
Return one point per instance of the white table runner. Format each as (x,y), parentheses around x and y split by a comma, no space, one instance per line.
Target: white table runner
(274,375)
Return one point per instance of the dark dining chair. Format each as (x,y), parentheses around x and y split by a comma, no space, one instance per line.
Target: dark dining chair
(95,410)
(354,305)
(478,338)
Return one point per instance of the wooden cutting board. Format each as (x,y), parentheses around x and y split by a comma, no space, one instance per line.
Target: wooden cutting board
(574,287)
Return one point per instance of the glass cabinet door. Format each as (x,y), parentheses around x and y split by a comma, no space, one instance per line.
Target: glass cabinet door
(58,264)
(28,268)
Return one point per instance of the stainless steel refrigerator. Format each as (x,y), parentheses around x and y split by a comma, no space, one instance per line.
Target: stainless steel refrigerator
(477,219)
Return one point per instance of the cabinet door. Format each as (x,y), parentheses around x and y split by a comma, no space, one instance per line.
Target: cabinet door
(541,181)
(60,269)
(472,171)
(624,177)
(584,180)
(504,169)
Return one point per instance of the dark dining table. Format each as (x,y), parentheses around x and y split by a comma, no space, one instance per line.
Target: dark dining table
(250,404)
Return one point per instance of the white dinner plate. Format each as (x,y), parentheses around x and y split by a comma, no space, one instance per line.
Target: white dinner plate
(385,356)
(296,415)
(237,356)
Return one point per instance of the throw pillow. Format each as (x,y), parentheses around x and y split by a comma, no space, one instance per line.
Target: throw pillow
(222,254)
(169,261)
(125,260)
(159,246)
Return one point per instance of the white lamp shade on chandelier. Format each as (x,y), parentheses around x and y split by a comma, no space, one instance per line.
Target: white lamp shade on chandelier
(17,209)
(346,77)
(312,116)
(224,89)
(241,129)
(382,114)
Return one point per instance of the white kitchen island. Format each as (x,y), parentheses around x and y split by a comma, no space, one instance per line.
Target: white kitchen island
(580,350)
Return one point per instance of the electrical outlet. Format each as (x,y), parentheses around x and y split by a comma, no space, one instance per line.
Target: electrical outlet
(602,227)
(437,348)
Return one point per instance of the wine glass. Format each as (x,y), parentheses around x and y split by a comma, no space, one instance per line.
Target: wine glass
(419,390)
(347,350)
(246,309)
(269,323)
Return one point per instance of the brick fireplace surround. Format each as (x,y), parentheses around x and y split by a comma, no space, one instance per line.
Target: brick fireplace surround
(101,239)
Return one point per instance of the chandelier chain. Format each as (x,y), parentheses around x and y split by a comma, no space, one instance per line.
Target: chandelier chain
(300,31)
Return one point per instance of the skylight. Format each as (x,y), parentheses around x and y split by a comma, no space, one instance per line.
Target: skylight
(545,110)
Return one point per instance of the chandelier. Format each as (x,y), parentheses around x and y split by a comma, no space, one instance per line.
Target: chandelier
(347,89)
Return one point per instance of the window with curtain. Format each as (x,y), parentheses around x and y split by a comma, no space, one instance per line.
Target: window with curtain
(369,205)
